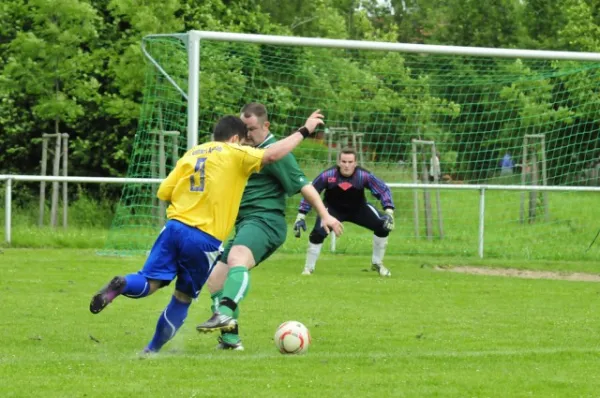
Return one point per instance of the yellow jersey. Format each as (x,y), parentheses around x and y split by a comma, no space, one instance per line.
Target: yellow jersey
(206,186)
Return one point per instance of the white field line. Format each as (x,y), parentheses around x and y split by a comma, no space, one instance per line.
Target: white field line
(245,356)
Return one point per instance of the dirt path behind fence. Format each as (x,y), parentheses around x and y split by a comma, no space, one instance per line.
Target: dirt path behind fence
(525,274)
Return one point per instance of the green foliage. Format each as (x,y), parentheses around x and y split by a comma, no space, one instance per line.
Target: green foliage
(48,61)
(493,23)
(582,29)
(543,21)
(84,210)
(313,152)
(76,66)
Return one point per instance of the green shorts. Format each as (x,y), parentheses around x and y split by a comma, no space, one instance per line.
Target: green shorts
(262,233)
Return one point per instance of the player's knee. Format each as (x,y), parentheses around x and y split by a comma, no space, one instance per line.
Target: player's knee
(217,277)
(184,298)
(240,255)
(315,237)
(154,285)
(381,233)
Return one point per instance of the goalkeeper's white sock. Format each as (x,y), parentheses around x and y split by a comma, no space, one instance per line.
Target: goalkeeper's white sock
(312,255)
(379,245)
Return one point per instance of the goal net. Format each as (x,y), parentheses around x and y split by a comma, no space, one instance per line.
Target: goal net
(494,117)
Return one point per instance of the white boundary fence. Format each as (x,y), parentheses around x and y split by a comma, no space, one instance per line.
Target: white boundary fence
(114,180)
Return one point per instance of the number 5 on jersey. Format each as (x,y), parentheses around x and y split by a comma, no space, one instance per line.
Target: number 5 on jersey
(197,179)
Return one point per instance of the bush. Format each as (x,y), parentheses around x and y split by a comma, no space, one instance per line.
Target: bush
(311,151)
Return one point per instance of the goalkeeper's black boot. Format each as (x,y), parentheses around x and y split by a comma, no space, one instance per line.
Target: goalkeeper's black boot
(107,294)
(216,322)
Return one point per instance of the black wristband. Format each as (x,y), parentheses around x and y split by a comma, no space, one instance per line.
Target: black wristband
(304,131)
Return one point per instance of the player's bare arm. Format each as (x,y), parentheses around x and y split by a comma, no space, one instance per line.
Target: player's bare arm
(287,145)
(328,222)
(305,205)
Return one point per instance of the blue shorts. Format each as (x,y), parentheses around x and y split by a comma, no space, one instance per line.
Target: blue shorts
(185,253)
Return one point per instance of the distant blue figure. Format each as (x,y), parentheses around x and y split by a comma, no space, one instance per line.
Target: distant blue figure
(507,165)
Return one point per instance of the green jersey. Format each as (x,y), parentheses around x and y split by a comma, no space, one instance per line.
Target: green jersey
(267,190)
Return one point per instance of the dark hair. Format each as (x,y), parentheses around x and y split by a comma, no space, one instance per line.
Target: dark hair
(256,109)
(227,127)
(347,151)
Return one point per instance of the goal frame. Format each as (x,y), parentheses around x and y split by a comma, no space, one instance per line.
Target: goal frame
(193,40)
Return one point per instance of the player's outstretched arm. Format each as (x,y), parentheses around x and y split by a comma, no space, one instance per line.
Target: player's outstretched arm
(319,183)
(328,222)
(381,191)
(281,148)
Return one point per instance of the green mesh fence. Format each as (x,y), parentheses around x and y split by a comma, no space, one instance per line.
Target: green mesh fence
(159,141)
(490,120)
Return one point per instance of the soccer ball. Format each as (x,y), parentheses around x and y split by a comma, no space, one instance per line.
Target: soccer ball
(292,337)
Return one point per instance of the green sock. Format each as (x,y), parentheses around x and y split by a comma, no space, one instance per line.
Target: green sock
(214,300)
(230,337)
(236,287)
(214,306)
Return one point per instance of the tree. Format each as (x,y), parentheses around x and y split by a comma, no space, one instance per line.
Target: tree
(581,32)
(51,63)
(419,20)
(542,20)
(493,23)
(15,124)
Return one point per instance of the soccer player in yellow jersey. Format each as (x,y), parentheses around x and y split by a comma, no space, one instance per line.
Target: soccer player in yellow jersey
(204,190)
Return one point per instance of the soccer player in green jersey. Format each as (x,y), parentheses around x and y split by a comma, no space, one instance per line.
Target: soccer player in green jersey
(260,228)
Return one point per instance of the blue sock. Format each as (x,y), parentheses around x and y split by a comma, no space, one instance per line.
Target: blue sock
(137,286)
(169,322)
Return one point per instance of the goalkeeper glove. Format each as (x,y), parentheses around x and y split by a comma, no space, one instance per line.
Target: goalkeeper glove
(299,224)
(388,220)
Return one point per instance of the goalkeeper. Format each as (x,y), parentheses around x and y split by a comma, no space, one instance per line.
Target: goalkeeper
(260,228)
(344,187)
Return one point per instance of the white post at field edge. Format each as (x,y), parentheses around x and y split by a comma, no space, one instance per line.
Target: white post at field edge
(481,220)
(7,210)
(193,47)
(332,243)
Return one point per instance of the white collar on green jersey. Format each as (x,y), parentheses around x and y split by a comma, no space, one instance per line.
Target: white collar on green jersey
(266,139)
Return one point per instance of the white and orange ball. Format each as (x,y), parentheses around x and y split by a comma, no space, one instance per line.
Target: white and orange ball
(292,337)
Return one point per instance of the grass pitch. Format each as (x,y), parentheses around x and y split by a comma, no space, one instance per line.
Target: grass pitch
(420,333)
